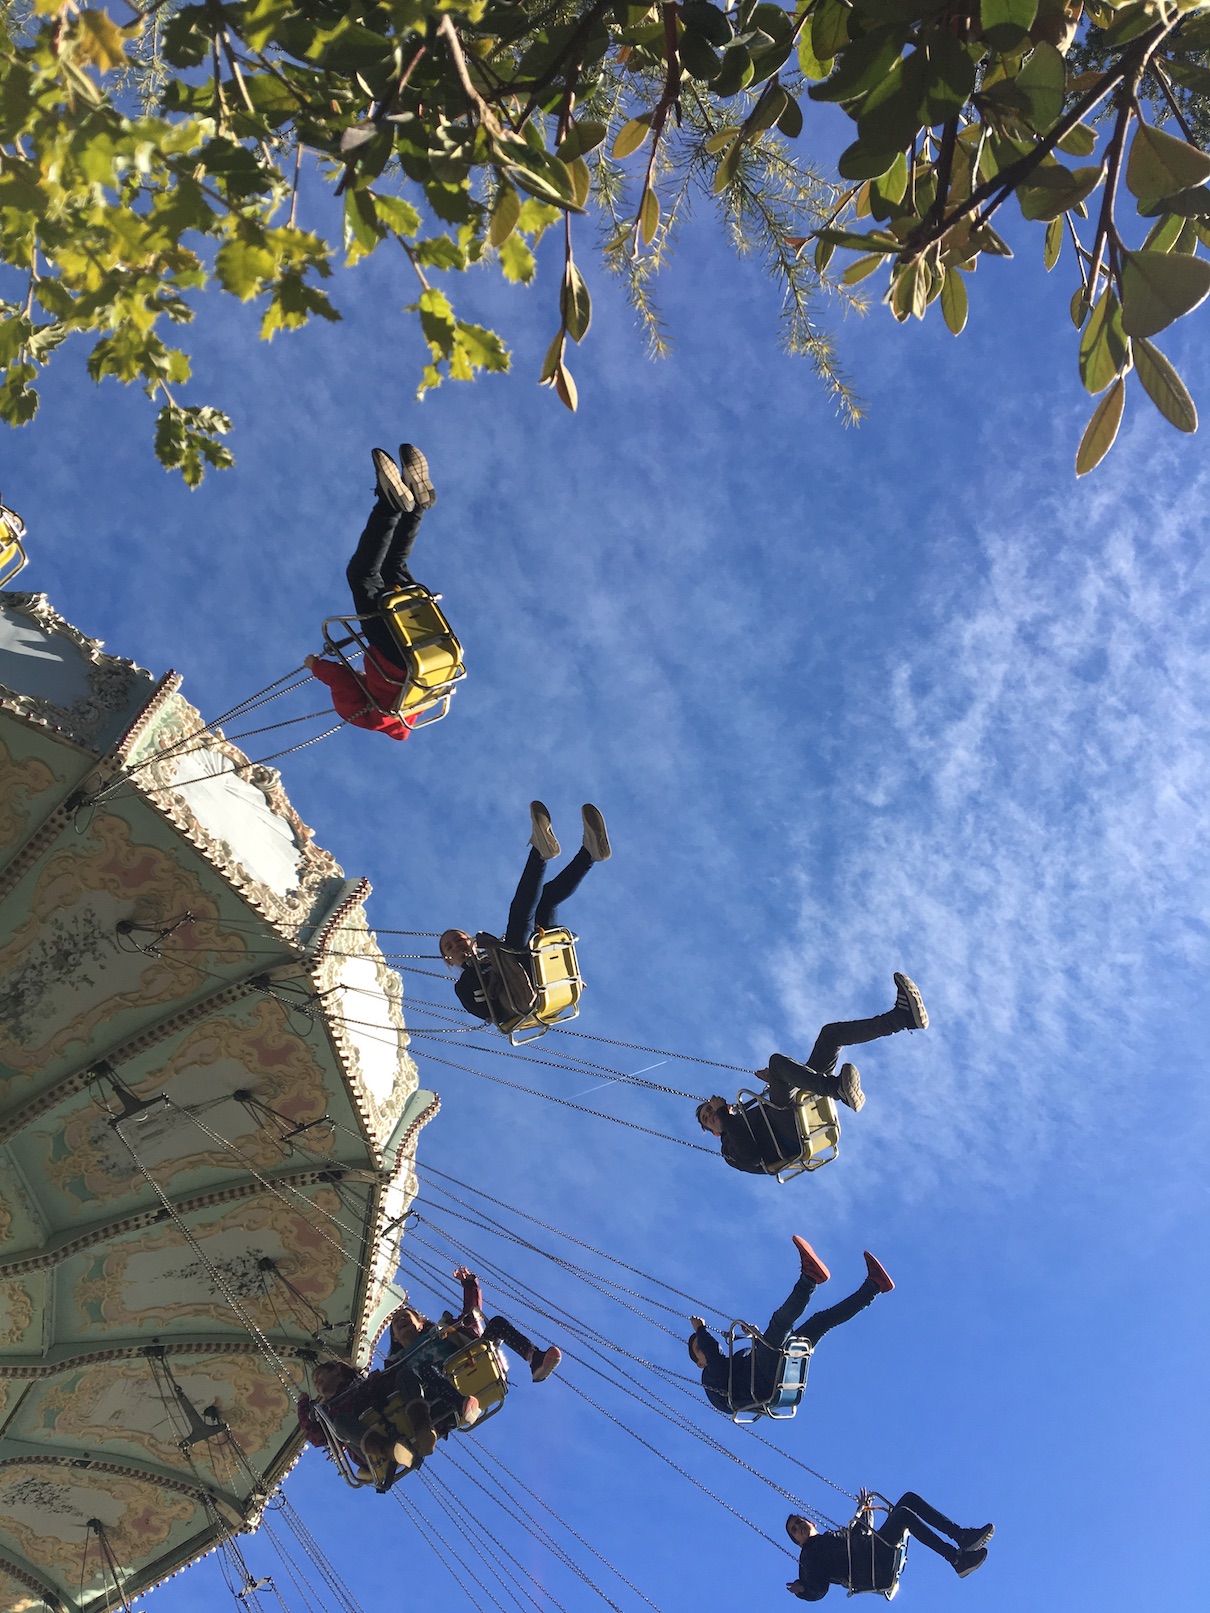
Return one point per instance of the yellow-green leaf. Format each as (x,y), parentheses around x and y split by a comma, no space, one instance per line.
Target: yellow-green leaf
(1164,386)
(954,301)
(1054,243)
(631,136)
(566,387)
(100,40)
(861,268)
(505,213)
(721,139)
(1158,287)
(1160,164)
(575,304)
(1102,429)
(1104,350)
(649,219)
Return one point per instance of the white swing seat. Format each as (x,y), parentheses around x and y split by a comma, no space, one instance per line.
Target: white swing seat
(427,650)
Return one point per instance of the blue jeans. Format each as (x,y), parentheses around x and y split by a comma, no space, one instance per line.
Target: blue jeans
(536,905)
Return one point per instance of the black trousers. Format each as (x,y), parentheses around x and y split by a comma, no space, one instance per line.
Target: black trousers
(912,1515)
(501,1329)
(380,564)
(781,1325)
(536,905)
(817,1074)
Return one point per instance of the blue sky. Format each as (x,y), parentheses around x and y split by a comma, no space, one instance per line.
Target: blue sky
(901,697)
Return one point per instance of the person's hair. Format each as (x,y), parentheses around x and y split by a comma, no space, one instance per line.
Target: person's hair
(795,1517)
(692,1342)
(706,1103)
(347,1371)
(441,940)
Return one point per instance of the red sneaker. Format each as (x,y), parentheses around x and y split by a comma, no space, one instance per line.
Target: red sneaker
(812,1265)
(878,1272)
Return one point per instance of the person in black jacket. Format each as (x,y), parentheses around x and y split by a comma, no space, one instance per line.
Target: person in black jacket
(534,908)
(759,1136)
(748,1380)
(864,1559)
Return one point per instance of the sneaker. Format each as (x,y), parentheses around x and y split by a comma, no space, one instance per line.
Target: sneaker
(542,839)
(415,469)
(812,1265)
(390,483)
(403,1455)
(974,1539)
(543,1365)
(967,1561)
(910,1004)
(850,1088)
(470,1411)
(596,836)
(878,1273)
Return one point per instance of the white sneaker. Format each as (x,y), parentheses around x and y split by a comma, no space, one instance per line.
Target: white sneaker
(390,482)
(596,836)
(542,838)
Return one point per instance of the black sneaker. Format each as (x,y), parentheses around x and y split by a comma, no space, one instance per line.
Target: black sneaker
(850,1088)
(910,1004)
(973,1539)
(966,1562)
(415,469)
(391,484)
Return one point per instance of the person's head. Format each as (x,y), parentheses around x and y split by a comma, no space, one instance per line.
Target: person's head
(696,1354)
(800,1529)
(407,1325)
(710,1114)
(456,947)
(330,1377)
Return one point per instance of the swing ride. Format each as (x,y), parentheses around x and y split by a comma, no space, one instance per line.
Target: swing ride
(427,652)
(209,1112)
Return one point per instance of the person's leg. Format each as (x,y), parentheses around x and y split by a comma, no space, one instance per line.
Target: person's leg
(379,564)
(850,1033)
(541,1362)
(522,913)
(917,1504)
(785,1316)
(844,1311)
(904,1519)
(559,888)
(395,572)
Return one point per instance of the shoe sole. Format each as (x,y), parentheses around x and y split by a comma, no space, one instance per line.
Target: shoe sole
(416,472)
(878,1273)
(390,482)
(851,1094)
(596,835)
(543,838)
(920,1014)
(545,1372)
(821,1274)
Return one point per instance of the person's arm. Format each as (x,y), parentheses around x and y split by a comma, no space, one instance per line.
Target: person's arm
(707,1344)
(465,988)
(739,1146)
(806,1593)
(351,701)
(472,1299)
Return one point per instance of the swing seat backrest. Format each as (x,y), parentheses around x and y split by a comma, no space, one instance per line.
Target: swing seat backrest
(12,550)
(428,649)
(558,986)
(789,1380)
(479,1369)
(879,1503)
(818,1126)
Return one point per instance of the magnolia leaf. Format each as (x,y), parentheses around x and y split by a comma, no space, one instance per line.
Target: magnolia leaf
(581,181)
(790,121)
(829,29)
(699,17)
(575,305)
(809,63)
(505,214)
(1042,81)
(699,58)
(1052,189)
(1054,243)
(580,139)
(1104,351)
(1079,142)
(1006,23)
(861,268)
(1160,165)
(1102,429)
(1163,233)
(649,220)
(1158,287)
(823,255)
(631,136)
(1079,307)
(954,302)
(735,74)
(721,139)
(554,357)
(1191,203)
(862,160)
(566,387)
(1163,385)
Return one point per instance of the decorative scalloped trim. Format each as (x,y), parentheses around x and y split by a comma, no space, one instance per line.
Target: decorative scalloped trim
(40,1587)
(135,1352)
(110,681)
(355,898)
(404,1162)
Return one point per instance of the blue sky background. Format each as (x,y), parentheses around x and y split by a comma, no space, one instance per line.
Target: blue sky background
(901,697)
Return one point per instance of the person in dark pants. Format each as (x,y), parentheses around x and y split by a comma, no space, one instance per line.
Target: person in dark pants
(759,1135)
(378,567)
(535,907)
(409,1326)
(748,1380)
(864,1559)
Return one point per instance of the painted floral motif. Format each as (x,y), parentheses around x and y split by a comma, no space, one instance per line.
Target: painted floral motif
(16,1310)
(21,782)
(46,1512)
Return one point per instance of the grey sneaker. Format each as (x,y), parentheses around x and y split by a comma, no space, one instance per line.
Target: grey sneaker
(596,836)
(910,1004)
(542,839)
(390,483)
(415,469)
(850,1088)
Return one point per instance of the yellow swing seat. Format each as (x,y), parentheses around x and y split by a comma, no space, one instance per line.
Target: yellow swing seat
(480,1370)
(428,651)
(558,986)
(818,1127)
(12,548)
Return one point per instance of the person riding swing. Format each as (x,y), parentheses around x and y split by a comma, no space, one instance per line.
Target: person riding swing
(496,982)
(761,1135)
(862,1558)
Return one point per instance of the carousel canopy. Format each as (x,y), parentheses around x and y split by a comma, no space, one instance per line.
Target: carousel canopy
(208,1119)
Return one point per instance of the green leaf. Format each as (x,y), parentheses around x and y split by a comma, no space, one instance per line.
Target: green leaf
(517,262)
(790,121)
(1054,243)
(1053,189)
(861,65)
(720,140)
(649,218)
(243,265)
(100,41)
(1079,142)
(829,29)
(1006,23)
(1191,203)
(631,136)
(861,269)
(810,64)
(575,305)
(1164,386)
(699,58)
(565,387)
(1042,81)
(1160,165)
(580,139)
(1158,287)
(856,241)
(1102,429)
(361,230)
(951,76)
(398,215)
(954,301)
(506,211)
(1104,351)
(1079,308)
(864,160)
(1163,233)
(735,74)
(707,20)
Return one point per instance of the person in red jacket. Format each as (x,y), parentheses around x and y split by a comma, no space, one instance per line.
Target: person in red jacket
(379,565)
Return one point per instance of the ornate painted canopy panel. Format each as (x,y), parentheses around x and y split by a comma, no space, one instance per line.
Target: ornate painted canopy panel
(208,1120)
